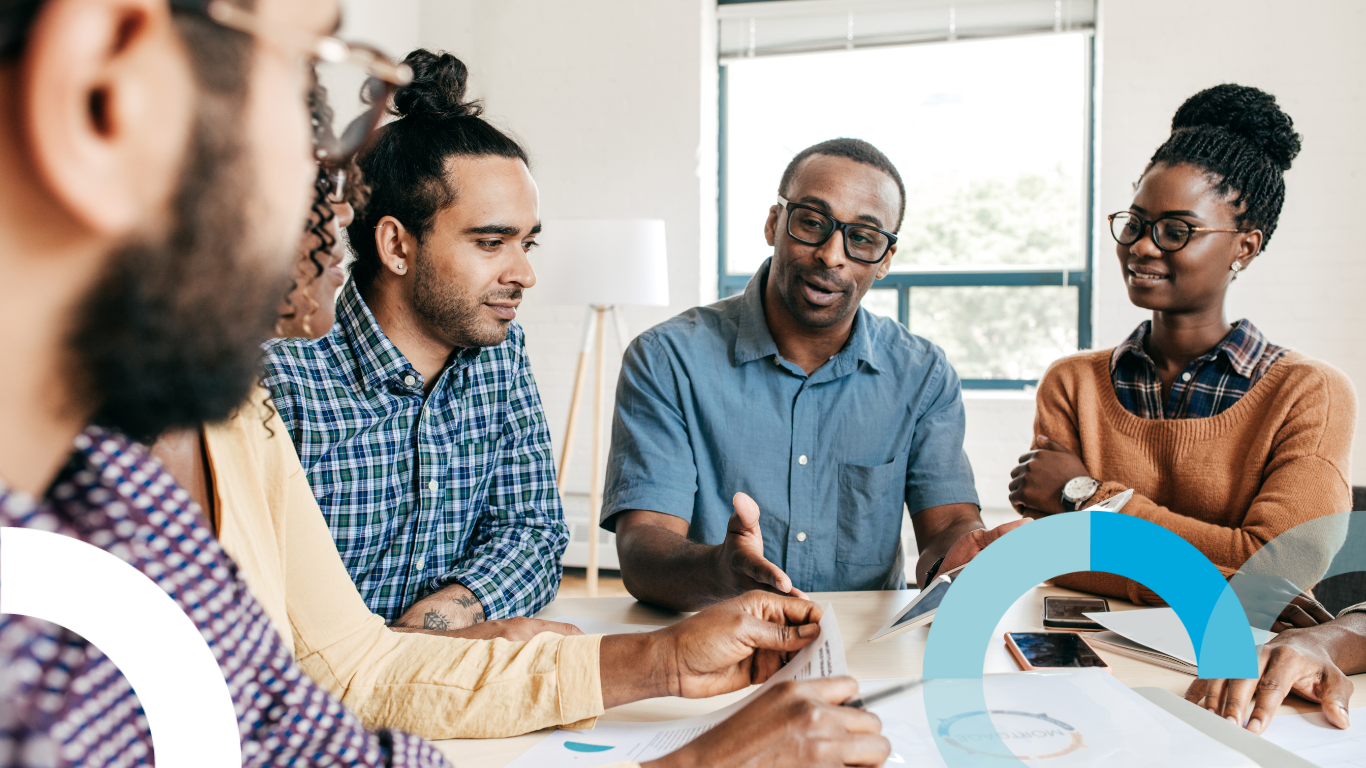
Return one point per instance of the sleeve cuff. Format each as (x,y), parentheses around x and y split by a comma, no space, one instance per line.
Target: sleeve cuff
(674,503)
(1358,608)
(580,683)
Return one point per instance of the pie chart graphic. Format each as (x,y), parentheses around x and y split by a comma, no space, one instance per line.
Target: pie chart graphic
(579,746)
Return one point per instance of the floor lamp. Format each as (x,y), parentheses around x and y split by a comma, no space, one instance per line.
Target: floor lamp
(605,264)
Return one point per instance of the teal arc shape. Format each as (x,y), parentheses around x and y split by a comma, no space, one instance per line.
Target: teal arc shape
(1048,547)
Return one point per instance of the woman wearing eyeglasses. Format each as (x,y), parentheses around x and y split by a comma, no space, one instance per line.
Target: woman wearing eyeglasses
(1227,439)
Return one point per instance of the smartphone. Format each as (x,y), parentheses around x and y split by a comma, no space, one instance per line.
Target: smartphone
(1052,650)
(1070,613)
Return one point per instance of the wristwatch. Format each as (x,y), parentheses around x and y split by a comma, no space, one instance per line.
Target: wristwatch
(1077,491)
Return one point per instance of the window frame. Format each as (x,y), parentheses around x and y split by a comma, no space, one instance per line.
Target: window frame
(729,284)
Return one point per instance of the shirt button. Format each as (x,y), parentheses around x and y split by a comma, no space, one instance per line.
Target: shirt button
(432,486)
(801,536)
(1186,376)
(409,380)
(420,562)
(801,460)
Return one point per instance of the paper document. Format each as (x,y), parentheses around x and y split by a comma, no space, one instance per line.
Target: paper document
(1055,719)
(599,627)
(1312,738)
(618,742)
(1158,629)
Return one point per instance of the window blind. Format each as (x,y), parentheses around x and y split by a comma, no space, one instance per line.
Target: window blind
(775,27)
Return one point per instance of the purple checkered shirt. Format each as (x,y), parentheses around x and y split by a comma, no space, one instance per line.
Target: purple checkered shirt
(63,703)
(1210,385)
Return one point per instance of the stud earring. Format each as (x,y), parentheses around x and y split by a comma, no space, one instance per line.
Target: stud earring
(1236,268)
(401,266)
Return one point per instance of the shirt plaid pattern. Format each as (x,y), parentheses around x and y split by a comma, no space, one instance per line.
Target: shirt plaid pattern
(64,703)
(1210,385)
(421,492)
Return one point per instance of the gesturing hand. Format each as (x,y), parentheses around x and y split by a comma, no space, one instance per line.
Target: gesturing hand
(973,542)
(791,724)
(739,642)
(1036,484)
(742,553)
(1297,660)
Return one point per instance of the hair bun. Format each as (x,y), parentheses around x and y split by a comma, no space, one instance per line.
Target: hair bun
(1248,112)
(437,92)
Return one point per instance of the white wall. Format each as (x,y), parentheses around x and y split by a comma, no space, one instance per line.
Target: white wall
(1305,291)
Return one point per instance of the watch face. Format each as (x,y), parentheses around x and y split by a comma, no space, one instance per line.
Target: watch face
(1080,488)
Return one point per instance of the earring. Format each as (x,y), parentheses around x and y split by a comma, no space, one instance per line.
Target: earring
(1236,268)
(401,267)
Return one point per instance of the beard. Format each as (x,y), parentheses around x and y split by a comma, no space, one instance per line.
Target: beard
(792,275)
(169,336)
(458,315)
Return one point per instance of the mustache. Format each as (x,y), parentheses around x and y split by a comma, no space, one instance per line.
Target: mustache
(501,295)
(825,277)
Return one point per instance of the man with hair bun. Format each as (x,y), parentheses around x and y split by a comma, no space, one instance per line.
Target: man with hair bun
(793,400)
(417,418)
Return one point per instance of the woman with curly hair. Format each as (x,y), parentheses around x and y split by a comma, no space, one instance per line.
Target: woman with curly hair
(1227,439)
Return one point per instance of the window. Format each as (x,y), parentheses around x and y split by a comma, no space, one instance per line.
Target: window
(992,139)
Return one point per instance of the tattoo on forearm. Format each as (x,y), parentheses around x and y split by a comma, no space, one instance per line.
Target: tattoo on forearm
(470,601)
(434,620)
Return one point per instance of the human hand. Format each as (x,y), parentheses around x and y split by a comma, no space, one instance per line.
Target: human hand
(515,629)
(970,544)
(1038,480)
(1298,661)
(742,554)
(791,724)
(737,643)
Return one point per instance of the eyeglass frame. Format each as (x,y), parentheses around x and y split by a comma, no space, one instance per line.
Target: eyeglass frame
(1151,228)
(320,48)
(840,226)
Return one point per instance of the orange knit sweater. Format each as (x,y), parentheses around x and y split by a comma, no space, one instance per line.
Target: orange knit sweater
(1227,484)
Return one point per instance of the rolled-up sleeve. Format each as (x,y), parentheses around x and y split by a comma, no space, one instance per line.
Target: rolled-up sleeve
(651,465)
(938,471)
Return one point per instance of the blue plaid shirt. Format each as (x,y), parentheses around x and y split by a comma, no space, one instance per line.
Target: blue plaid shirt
(422,492)
(1210,385)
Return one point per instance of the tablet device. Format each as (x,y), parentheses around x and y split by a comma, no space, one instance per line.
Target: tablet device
(920,611)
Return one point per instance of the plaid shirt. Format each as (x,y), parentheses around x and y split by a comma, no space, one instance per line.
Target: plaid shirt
(64,703)
(1210,385)
(421,492)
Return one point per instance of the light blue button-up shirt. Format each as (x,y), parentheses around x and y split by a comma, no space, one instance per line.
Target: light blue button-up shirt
(707,407)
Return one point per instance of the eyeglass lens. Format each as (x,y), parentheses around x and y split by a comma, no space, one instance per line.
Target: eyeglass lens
(1168,234)
(357,100)
(814,228)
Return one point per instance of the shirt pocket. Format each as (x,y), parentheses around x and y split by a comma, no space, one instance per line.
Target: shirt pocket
(870,504)
(466,497)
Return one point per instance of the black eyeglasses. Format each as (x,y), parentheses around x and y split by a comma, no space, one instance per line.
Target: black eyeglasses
(1169,234)
(812,226)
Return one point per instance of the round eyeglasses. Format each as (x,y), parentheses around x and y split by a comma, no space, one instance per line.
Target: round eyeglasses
(1168,233)
(812,226)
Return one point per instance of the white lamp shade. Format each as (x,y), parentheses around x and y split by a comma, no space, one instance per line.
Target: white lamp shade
(601,261)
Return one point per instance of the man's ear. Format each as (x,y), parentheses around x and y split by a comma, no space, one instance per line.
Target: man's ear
(108,103)
(771,226)
(885,265)
(396,245)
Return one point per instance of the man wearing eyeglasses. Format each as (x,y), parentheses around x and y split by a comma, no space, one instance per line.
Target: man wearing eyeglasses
(791,399)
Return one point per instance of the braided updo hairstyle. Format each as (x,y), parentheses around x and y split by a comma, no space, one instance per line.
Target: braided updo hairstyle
(405,168)
(1244,141)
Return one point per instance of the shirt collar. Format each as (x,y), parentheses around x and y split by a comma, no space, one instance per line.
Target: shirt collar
(1242,348)
(753,341)
(378,359)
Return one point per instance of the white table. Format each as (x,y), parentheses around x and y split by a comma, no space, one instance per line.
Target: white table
(860,614)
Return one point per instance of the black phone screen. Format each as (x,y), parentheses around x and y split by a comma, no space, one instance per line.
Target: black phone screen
(1073,608)
(1055,649)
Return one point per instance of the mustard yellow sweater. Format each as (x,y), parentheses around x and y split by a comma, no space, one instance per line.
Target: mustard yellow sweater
(1227,484)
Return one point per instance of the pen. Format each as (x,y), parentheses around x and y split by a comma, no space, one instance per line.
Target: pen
(877,697)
